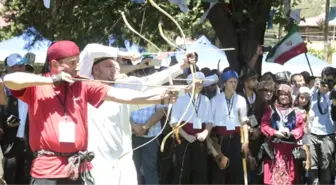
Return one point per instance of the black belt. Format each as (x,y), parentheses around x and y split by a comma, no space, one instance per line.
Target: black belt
(42,152)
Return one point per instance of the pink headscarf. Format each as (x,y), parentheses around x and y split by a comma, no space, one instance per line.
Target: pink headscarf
(288,89)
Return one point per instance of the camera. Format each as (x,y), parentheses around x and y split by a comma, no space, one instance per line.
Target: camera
(13,121)
(329,83)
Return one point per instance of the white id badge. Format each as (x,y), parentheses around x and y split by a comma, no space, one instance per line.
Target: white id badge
(66,131)
(229,124)
(197,123)
(253,121)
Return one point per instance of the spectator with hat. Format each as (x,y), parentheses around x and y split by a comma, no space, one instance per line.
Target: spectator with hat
(14,118)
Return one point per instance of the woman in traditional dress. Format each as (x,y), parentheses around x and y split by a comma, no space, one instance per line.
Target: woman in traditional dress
(283,126)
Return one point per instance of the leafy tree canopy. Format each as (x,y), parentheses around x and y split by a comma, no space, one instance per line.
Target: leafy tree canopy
(87,21)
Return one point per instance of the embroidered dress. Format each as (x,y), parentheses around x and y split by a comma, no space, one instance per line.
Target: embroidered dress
(281,171)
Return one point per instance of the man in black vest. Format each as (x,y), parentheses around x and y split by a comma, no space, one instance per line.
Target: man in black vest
(249,82)
(13,117)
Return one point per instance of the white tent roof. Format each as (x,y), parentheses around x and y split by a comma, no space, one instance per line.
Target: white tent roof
(297,64)
(313,21)
(208,54)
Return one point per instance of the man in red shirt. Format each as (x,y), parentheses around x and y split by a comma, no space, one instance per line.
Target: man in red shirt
(58,129)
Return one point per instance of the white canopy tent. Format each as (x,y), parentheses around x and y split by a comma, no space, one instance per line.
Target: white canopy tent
(208,54)
(297,64)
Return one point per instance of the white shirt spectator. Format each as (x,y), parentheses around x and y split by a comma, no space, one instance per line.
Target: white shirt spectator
(229,116)
(200,109)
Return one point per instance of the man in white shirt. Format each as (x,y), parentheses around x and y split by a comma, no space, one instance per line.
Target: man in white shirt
(230,116)
(297,81)
(191,154)
(109,125)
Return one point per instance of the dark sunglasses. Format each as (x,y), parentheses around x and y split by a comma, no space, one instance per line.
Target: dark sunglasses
(267,90)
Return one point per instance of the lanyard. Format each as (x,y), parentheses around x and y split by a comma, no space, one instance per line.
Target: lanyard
(63,103)
(250,105)
(319,104)
(194,104)
(229,104)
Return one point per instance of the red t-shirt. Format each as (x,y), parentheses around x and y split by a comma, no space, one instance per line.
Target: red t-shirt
(45,113)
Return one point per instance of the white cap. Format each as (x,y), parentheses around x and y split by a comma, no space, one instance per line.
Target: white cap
(15,59)
(199,75)
(304,90)
(210,80)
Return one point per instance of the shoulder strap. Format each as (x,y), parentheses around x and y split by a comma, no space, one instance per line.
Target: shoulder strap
(319,104)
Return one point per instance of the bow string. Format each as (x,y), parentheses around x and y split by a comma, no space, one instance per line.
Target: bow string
(170,83)
(192,69)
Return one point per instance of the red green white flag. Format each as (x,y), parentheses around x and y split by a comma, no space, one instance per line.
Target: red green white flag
(289,47)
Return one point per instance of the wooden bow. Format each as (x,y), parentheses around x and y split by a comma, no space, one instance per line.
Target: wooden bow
(192,69)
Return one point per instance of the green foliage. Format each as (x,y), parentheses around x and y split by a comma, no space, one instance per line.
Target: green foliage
(86,21)
(317,53)
(321,53)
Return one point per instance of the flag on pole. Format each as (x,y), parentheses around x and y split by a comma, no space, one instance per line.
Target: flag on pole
(290,46)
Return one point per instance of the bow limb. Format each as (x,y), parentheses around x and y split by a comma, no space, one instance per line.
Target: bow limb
(164,37)
(192,69)
(170,82)
(171,18)
(134,31)
(170,107)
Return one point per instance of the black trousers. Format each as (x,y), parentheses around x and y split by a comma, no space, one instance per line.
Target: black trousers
(55,181)
(254,175)
(15,169)
(166,162)
(191,163)
(234,173)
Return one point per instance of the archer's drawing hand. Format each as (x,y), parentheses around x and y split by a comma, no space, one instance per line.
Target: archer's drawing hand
(62,77)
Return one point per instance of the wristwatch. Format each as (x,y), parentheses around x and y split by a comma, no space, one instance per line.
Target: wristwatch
(145,127)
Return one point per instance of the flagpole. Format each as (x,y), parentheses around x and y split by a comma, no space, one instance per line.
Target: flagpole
(311,71)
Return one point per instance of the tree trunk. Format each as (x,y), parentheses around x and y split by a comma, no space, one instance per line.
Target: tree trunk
(244,32)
